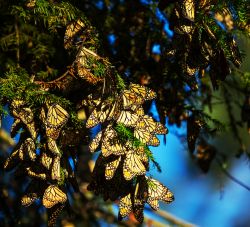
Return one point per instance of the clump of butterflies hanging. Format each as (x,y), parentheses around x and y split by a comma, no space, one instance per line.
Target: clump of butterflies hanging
(126,132)
(42,161)
(203,38)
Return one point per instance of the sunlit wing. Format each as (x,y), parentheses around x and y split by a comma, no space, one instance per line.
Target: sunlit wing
(52,196)
(95,142)
(55,171)
(127,118)
(125,206)
(131,98)
(146,137)
(46,160)
(160,129)
(111,168)
(137,109)
(71,31)
(112,147)
(146,122)
(188,9)
(33,174)
(56,117)
(53,147)
(142,91)
(133,166)
(156,192)
(28,199)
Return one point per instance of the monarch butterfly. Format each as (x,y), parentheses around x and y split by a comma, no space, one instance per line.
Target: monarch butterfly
(27,150)
(138,211)
(52,196)
(28,199)
(142,91)
(25,114)
(188,9)
(46,160)
(139,201)
(111,168)
(95,142)
(71,31)
(143,156)
(32,130)
(142,134)
(83,66)
(127,118)
(146,122)
(113,147)
(91,101)
(85,73)
(56,117)
(17,103)
(225,16)
(53,147)
(106,112)
(160,129)
(205,155)
(146,137)
(42,115)
(31,173)
(93,119)
(156,192)
(110,111)
(131,98)
(109,133)
(133,166)
(55,171)
(53,132)
(138,110)
(125,206)
(106,134)
(17,124)
(12,161)
(31,4)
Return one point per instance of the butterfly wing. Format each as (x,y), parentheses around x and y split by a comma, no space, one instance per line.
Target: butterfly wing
(127,118)
(55,171)
(142,91)
(131,98)
(111,168)
(133,166)
(125,206)
(52,196)
(156,192)
(56,117)
(95,142)
(71,31)
(53,146)
(146,122)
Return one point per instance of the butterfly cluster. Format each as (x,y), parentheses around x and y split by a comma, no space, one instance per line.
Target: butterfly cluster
(77,34)
(40,160)
(120,170)
(199,28)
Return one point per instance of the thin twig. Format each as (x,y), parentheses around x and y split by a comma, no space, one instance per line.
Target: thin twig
(173,219)
(231,177)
